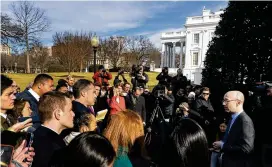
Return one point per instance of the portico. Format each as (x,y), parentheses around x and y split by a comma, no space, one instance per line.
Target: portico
(169,52)
(192,42)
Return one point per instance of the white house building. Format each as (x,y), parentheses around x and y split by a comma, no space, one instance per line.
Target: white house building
(193,41)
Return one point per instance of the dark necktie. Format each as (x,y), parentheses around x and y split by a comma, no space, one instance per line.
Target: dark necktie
(227,131)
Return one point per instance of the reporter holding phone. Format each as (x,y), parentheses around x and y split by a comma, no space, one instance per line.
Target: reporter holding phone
(9,135)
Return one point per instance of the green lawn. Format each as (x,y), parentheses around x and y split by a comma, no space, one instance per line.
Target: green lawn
(23,80)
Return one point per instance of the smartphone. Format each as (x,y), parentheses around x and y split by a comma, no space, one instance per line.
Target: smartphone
(6,154)
(29,141)
(35,119)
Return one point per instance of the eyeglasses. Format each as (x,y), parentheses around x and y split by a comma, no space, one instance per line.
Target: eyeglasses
(206,93)
(227,101)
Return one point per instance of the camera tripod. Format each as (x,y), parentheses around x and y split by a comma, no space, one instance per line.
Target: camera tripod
(157,112)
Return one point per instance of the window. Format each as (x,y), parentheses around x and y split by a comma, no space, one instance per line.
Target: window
(196,38)
(195,58)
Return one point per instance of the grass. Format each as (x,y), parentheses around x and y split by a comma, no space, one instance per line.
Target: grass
(23,80)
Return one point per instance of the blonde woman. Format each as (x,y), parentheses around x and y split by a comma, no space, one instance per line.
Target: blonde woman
(126,133)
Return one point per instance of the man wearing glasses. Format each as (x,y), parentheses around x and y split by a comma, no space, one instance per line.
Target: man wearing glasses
(238,142)
(204,107)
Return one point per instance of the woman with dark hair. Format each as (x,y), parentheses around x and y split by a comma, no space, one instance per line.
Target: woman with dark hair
(187,146)
(88,149)
(21,109)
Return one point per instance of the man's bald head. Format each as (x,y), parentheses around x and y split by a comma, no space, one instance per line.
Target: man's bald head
(233,101)
(236,95)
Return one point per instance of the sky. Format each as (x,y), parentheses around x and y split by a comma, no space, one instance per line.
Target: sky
(119,18)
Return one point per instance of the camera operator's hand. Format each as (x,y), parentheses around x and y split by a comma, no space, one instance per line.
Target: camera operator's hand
(22,153)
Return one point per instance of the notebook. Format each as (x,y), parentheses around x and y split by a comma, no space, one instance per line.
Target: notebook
(100,115)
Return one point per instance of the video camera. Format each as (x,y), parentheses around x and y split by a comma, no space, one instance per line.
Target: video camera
(159,91)
(135,71)
(165,70)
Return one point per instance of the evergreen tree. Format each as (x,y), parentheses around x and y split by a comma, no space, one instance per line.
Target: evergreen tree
(242,47)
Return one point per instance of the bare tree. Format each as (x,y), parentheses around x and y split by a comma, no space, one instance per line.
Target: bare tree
(32,20)
(72,49)
(9,62)
(39,56)
(155,56)
(10,32)
(112,49)
(139,46)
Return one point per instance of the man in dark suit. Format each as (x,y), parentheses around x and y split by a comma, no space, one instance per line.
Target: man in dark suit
(43,83)
(85,95)
(7,101)
(238,143)
(136,103)
(55,110)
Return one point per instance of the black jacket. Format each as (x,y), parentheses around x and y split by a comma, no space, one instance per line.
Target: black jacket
(79,109)
(138,81)
(204,108)
(101,104)
(46,142)
(139,107)
(179,82)
(164,79)
(167,105)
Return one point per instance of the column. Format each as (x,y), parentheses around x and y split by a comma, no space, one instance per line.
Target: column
(169,56)
(181,55)
(174,55)
(165,55)
(162,55)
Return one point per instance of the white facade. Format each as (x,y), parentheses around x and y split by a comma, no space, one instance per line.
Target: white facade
(5,50)
(193,42)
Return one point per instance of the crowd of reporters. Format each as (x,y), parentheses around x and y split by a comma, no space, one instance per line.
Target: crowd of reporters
(67,133)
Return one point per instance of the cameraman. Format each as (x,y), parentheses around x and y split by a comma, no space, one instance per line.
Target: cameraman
(138,77)
(179,81)
(163,77)
(167,103)
(102,76)
(117,80)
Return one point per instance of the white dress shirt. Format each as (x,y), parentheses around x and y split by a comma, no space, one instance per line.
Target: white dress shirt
(3,115)
(33,93)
